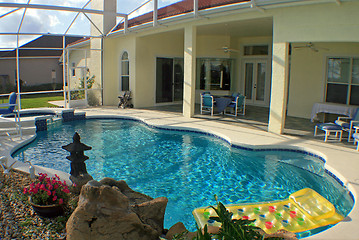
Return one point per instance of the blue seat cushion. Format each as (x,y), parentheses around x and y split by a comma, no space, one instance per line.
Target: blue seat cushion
(342,123)
(328,126)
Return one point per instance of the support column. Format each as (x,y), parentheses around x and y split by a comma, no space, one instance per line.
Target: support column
(102,24)
(189,84)
(279,91)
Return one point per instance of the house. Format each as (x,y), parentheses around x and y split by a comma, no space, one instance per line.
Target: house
(283,55)
(39,67)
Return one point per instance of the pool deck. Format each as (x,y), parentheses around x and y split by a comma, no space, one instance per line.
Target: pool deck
(340,160)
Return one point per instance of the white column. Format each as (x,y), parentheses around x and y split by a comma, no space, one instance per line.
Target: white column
(189,85)
(104,23)
(279,91)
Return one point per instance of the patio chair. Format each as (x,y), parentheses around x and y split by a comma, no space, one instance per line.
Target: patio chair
(238,105)
(356,137)
(207,103)
(10,105)
(329,128)
(348,123)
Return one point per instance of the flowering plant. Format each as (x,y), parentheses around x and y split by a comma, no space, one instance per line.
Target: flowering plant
(48,191)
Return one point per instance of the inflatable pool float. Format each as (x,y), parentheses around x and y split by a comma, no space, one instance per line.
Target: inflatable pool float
(303,210)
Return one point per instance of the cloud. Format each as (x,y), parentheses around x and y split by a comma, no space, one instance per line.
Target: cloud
(44,21)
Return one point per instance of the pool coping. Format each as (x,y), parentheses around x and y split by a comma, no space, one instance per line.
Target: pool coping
(246,138)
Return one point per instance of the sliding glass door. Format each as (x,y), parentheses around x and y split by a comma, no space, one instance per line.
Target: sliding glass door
(169,80)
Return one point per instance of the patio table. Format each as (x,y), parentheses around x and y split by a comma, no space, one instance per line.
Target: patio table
(222,102)
(334,108)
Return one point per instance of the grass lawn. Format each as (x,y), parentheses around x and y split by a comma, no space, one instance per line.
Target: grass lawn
(40,100)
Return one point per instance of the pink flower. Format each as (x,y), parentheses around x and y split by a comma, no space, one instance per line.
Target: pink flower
(25,190)
(42,176)
(65,190)
(49,186)
(61,201)
(56,176)
(48,192)
(56,186)
(54,198)
(42,187)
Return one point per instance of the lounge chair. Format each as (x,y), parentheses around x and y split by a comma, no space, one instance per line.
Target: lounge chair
(207,103)
(329,128)
(348,123)
(10,105)
(238,105)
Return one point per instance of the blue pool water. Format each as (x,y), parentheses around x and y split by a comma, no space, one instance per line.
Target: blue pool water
(187,168)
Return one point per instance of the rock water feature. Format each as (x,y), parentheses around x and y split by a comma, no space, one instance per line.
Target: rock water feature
(110,209)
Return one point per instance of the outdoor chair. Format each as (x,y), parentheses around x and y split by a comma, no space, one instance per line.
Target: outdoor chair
(207,103)
(10,105)
(238,105)
(347,124)
(329,128)
(356,137)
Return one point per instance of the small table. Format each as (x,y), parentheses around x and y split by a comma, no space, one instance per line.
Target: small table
(222,102)
(335,108)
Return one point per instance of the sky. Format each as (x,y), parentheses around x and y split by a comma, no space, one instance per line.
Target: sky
(57,22)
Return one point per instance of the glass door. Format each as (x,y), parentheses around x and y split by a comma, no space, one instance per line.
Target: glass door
(169,80)
(177,79)
(256,82)
(164,80)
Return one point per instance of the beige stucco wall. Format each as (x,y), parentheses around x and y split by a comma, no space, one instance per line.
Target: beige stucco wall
(308,75)
(331,26)
(317,23)
(148,49)
(113,50)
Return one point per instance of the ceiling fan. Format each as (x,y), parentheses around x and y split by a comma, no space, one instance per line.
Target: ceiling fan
(311,47)
(226,49)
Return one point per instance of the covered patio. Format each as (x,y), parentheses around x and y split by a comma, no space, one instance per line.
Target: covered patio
(256,118)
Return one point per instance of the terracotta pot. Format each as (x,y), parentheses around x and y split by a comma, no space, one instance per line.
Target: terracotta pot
(48,211)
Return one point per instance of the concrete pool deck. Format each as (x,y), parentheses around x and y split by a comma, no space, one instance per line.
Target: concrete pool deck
(341,161)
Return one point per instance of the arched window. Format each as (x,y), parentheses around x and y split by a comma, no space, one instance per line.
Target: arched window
(125,73)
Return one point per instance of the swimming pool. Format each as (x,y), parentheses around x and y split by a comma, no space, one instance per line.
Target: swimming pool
(187,168)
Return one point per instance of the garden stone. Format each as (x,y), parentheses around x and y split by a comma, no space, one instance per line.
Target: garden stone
(176,229)
(109,209)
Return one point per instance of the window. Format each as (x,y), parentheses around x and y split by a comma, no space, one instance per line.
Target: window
(214,74)
(73,69)
(343,80)
(125,73)
(256,50)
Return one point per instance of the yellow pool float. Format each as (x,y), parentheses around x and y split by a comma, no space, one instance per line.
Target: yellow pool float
(303,210)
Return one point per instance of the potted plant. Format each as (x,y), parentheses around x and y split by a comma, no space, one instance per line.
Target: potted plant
(48,196)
